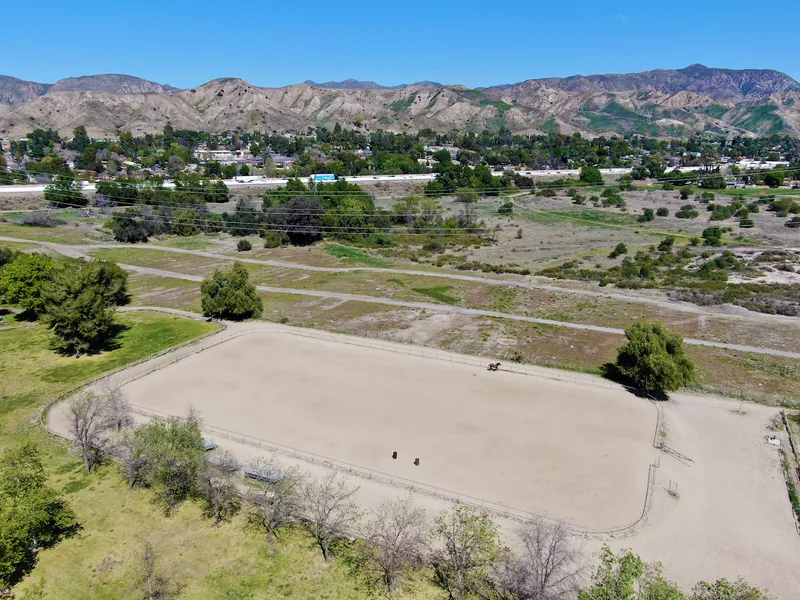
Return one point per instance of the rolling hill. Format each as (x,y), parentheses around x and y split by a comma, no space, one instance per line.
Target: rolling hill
(660,103)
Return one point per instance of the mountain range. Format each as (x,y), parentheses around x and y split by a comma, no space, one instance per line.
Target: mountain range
(660,103)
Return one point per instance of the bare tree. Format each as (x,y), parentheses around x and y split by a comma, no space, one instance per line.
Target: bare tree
(397,535)
(547,566)
(91,417)
(330,511)
(278,504)
(219,494)
(153,580)
(119,409)
(130,452)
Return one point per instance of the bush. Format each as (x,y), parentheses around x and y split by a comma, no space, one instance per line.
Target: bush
(42,219)
(653,359)
(662,212)
(667,187)
(244,245)
(647,215)
(617,251)
(666,244)
(793,223)
(506,209)
(275,239)
(687,211)
(712,236)
(685,193)
(747,223)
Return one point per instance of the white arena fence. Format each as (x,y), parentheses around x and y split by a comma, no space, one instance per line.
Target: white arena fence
(192,347)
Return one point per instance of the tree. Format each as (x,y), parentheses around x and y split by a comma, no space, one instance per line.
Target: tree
(32,515)
(79,304)
(685,192)
(244,170)
(244,245)
(397,539)
(219,494)
(469,549)
(591,175)
(774,179)
(300,219)
(329,510)
(547,567)
(712,236)
(653,359)
(65,192)
(130,451)
(230,295)
(92,416)
(173,452)
(722,589)
(627,577)
(154,581)
(22,280)
(274,506)
(662,212)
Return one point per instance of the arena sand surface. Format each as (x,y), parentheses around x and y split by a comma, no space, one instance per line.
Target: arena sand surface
(572,451)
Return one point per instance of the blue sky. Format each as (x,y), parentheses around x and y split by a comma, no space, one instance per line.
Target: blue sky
(471,43)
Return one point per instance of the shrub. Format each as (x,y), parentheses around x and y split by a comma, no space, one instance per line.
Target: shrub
(712,236)
(647,215)
(244,245)
(506,209)
(667,187)
(42,219)
(618,250)
(662,212)
(747,223)
(653,359)
(666,244)
(687,211)
(275,239)
(591,175)
(695,241)
(794,223)
(685,192)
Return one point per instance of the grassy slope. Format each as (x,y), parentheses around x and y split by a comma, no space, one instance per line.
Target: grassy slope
(99,562)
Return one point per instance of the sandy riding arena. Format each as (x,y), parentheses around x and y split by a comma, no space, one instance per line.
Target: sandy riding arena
(572,451)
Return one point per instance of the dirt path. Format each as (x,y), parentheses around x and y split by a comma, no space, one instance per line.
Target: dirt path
(75,251)
(531,283)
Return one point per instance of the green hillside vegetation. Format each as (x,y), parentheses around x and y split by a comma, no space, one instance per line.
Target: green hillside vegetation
(761,119)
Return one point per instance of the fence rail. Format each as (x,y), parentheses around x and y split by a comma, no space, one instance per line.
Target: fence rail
(196,346)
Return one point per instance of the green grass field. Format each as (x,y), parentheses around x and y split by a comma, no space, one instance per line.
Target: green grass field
(100,562)
(356,256)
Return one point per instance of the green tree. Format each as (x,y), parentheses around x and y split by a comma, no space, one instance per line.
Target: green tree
(685,193)
(618,250)
(774,179)
(653,359)
(591,175)
(79,304)
(244,170)
(300,219)
(32,515)
(230,295)
(469,549)
(65,192)
(22,279)
(722,589)
(172,453)
(712,236)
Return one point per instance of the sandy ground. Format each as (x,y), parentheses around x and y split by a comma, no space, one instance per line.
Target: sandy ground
(571,451)
(578,451)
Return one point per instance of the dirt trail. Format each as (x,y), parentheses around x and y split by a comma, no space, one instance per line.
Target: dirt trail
(76,251)
(724,311)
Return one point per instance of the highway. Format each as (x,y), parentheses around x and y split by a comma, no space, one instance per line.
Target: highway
(258,181)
